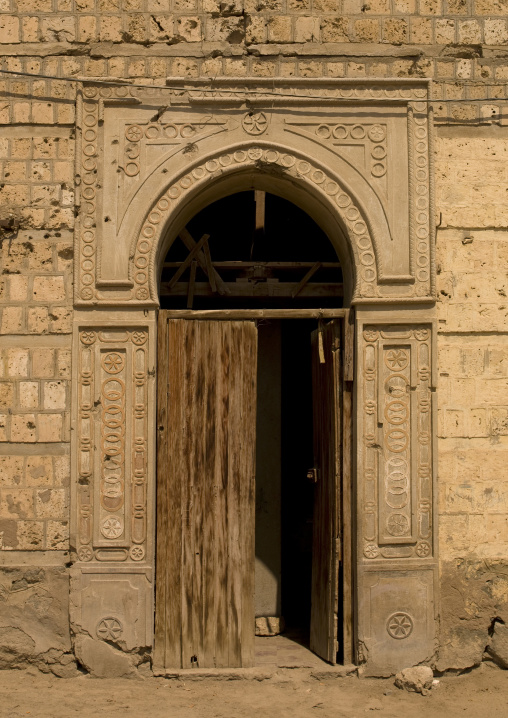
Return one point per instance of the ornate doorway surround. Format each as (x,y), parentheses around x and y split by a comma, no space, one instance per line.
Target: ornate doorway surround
(356,155)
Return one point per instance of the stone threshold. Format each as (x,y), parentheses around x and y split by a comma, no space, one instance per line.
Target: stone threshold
(262,673)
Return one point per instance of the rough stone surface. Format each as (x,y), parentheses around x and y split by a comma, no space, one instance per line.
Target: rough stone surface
(102,660)
(417,680)
(269,625)
(34,620)
(472,594)
(498,646)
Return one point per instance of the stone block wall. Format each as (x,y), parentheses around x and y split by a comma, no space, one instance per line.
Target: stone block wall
(472,249)
(36,257)
(460,44)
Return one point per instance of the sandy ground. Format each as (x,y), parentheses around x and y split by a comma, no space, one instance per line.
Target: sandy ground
(482,693)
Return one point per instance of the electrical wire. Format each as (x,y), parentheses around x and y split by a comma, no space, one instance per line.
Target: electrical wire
(243,92)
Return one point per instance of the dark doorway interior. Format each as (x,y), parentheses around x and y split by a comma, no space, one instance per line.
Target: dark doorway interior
(262,247)
(284,496)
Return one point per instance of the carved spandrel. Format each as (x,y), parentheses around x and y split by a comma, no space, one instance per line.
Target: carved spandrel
(363,144)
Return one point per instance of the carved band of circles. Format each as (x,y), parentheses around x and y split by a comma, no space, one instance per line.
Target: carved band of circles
(109,628)
(399,625)
(350,213)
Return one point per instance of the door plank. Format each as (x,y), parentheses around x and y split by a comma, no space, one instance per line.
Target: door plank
(221,584)
(162,518)
(247,436)
(206,475)
(326,383)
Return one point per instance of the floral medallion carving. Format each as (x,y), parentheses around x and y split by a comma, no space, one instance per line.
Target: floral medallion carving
(255,123)
(400,625)
(109,628)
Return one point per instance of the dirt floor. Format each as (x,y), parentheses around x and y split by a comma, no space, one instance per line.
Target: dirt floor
(482,693)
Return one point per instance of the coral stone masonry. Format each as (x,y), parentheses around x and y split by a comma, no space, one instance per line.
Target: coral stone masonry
(386,121)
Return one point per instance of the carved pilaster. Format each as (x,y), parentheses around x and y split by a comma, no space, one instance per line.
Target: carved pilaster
(396,550)
(112,441)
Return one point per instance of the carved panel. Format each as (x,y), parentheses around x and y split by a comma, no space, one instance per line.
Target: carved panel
(397,608)
(112,444)
(113,604)
(397,442)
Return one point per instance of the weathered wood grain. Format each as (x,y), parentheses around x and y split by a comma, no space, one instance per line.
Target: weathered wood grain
(326,384)
(206,488)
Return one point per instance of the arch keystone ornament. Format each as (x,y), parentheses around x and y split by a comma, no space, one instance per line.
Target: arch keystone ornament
(356,155)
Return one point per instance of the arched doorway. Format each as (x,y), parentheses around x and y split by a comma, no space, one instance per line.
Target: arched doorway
(254,495)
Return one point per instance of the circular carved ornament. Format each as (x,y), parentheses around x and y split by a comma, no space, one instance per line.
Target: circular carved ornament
(397,525)
(399,625)
(422,334)
(397,359)
(138,338)
(112,527)
(377,133)
(371,550)
(109,628)
(142,293)
(370,335)
(113,363)
(255,123)
(137,553)
(88,337)
(134,133)
(423,549)
(85,553)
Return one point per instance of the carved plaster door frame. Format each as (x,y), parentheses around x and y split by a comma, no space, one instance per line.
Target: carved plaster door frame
(147,160)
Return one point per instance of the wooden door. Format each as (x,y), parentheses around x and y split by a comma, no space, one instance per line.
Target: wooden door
(326,549)
(205,493)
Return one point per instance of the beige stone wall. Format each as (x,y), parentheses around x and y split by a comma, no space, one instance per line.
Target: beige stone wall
(460,44)
(35,324)
(472,253)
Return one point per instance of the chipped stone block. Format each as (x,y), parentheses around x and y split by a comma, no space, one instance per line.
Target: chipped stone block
(102,660)
(269,625)
(417,679)
(11,470)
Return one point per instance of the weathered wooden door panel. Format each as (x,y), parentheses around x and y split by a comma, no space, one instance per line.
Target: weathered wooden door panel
(205,493)
(326,387)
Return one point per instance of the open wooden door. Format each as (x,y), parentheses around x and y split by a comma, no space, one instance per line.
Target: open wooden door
(205,493)
(326,542)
